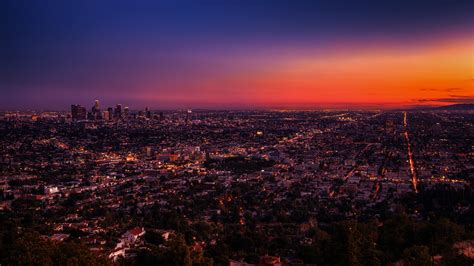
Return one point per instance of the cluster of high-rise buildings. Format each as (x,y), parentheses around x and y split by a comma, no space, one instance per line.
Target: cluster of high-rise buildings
(79,113)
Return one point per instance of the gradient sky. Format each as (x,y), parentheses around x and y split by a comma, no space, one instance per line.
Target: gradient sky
(236,54)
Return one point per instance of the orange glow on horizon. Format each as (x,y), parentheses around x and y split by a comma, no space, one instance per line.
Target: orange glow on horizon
(382,76)
(441,73)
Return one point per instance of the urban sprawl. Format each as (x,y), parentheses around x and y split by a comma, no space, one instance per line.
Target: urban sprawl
(264,187)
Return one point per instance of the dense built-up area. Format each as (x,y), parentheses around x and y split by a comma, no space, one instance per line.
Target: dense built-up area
(261,187)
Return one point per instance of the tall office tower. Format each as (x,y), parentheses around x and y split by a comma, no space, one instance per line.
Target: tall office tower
(74,111)
(147,113)
(96,113)
(78,112)
(126,112)
(106,115)
(82,113)
(111,113)
(118,111)
(162,116)
(90,116)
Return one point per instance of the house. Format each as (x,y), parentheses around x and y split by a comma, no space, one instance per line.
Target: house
(128,239)
(269,261)
(116,253)
(132,235)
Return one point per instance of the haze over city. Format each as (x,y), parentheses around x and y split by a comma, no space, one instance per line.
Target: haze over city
(236,54)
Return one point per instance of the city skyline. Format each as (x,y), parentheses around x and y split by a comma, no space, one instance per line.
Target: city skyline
(237,55)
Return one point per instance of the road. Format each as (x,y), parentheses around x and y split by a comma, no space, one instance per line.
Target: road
(414,178)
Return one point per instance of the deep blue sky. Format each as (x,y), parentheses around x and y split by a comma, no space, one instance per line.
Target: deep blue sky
(54,53)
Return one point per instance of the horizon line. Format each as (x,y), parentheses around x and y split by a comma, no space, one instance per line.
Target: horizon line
(302,107)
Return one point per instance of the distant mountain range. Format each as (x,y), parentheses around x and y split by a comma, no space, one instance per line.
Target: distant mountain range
(456,107)
(453,107)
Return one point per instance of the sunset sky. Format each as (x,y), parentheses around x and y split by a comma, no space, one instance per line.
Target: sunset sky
(236,54)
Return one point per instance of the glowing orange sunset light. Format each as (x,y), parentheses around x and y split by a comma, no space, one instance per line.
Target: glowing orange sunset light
(440,72)
(437,73)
